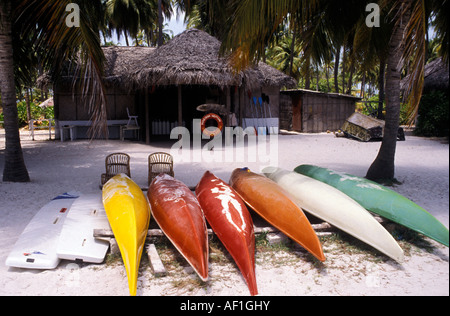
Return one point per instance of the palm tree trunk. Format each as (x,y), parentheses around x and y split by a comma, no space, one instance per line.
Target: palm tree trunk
(291,58)
(160,24)
(336,69)
(344,60)
(327,75)
(308,73)
(14,169)
(383,168)
(363,85)
(381,79)
(126,37)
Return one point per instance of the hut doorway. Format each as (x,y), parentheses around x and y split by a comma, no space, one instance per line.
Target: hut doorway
(160,107)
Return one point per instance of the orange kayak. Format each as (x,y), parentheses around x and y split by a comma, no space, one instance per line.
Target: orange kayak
(179,215)
(272,203)
(231,222)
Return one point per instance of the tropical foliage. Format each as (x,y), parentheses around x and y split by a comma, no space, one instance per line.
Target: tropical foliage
(37,33)
(340,27)
(326,44)
(434,113)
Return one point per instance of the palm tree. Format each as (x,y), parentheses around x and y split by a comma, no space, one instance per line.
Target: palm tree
(131,16)
(283,55)
(440,14)
(14,169)
(123,16)
(383,168)
(249,29)
(58,46)
(210,16)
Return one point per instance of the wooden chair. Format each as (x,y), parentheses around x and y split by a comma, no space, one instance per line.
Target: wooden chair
(159,163)
(115,164)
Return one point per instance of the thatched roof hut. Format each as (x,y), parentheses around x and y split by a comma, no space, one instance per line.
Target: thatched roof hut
(182,74)
(192,58)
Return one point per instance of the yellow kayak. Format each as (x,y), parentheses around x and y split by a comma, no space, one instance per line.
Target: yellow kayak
(128,213)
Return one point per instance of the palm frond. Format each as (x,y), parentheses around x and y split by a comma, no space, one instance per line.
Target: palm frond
(440,23)
(252,25)
(414,57)
(59,46)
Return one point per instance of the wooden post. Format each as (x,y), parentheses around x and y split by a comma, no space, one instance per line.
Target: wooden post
(241,106)
(236,102)
(180,107)
(147,116)
(155,261)
(227,119)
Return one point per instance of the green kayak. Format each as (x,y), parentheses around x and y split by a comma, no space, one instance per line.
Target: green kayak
(381,200)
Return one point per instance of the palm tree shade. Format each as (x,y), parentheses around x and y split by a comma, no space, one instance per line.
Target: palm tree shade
(15,169)
(322,28)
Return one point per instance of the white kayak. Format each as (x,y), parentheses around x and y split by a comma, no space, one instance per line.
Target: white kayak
(336,208)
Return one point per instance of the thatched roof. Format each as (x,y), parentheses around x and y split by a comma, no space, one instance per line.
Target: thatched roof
(192,58)
(119,65)
(435,76)
(121,62)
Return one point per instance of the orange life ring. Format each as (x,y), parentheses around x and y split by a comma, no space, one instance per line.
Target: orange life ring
(211,116)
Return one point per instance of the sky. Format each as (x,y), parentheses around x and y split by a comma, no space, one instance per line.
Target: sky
(175,25)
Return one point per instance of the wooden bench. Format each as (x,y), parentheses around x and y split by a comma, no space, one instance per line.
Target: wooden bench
(72,126)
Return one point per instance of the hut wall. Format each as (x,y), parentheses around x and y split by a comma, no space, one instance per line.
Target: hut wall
(313,112)
(286,108)
(274,95)
(248,107)
(70,107)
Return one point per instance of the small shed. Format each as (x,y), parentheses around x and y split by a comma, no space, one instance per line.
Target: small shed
(310,111)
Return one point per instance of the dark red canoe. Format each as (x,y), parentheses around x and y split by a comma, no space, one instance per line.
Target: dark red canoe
(231,222)
(272,203)
(179,215)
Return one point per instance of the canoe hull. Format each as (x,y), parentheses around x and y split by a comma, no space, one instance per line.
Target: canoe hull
(180,217)
(272,203)
(129,215)
(382,201)
(336,208)
(230,220)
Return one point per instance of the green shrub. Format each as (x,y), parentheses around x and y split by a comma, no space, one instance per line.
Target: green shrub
(37,112)
(433,117)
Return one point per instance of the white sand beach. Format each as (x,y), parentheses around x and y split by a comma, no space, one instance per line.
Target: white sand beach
(422,166)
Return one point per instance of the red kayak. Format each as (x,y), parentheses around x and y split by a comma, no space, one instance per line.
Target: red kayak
(231,222)
(179,215)
(272,203)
